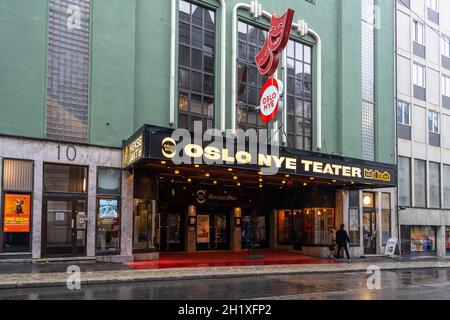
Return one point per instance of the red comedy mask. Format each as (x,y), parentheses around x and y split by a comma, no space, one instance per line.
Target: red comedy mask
(268,58)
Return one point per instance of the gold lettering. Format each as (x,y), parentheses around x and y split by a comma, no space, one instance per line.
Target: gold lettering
(243,157)
(307,164)
(291,163)
(337,169)
(278,161)
(317,167)
(212,153)
(264,160)
(328,169)
(193,151)
(356,173)
(346,171)
(226,157)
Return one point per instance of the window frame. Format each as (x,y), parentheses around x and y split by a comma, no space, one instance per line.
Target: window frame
(445,48)
(433,5)
(416,72)
(435,119)
(445,85)
(403,106)
(418,32)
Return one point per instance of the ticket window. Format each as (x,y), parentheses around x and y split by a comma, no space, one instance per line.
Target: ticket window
(16,215)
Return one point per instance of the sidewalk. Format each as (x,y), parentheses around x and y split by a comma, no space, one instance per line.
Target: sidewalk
(122,274)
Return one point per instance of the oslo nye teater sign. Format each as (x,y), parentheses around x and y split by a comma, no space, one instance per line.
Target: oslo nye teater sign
(267,61)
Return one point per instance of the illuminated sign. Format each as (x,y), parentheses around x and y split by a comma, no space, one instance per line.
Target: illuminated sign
(17,213)
(268,58)
(133,151)
(270,98)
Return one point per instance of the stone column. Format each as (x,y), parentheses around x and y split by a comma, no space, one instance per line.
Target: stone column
(274,229)
(91,211)
(440,241)
(126,228)
(191,234)
(236,235)
(37,210)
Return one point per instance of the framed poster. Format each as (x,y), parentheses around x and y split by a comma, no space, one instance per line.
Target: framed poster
(17,213)
(203,229)
(108,208)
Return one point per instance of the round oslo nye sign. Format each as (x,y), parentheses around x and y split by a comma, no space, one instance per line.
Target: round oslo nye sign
(270,98)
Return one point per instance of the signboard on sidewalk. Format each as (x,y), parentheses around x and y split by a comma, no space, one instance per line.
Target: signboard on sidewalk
(390,247)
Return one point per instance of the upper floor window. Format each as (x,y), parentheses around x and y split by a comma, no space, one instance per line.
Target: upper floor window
(68,70)
(197,47)
(433,5)
(446,86)
(299,95)
(418,32)
(433,122)
(250,41)
(419,75)
(403,113)
(446,47)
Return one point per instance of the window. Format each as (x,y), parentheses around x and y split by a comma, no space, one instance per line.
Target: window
(317,226)
(386,217)
(446,86)
(435,185)
(419,75)
(403,113)
(446,182)
(404,181)
(433,122)
(285,227)
(418,32)
(68,73)
(65,179)
(420,183)
(353,211)
(423,240)
(446,47)
(197,46)
(250,41)
(108,210)
(299,90)
(447,241)
(433,5)
(16,204)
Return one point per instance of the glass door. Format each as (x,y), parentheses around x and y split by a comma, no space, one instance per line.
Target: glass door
(219,232)
(370,231)
(171,232)
(213,231)
(66,225)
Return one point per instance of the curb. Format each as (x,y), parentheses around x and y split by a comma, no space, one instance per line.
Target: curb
(90,278)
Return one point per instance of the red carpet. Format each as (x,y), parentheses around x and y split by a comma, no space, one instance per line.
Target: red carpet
(225,259)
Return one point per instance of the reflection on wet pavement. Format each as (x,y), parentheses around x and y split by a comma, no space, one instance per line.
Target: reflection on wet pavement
(421,284)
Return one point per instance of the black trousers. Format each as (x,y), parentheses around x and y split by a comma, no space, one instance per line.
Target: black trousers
(340,246)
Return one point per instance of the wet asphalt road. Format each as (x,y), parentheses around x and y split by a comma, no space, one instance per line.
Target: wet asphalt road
(422,285)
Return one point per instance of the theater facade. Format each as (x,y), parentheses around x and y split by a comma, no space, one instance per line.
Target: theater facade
(100,158)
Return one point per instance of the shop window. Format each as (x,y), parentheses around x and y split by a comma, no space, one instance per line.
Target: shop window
(386,217)
(144,215)
(423,240)
(17,205)
(284,227)
(250,41)
(108,211)
(299,112)
(65,179)
(354,220)
(317,226)
(197,49)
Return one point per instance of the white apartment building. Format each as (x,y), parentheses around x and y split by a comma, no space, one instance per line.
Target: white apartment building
(423,126)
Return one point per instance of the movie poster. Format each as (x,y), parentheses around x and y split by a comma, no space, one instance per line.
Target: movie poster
(203,229)
(17,213)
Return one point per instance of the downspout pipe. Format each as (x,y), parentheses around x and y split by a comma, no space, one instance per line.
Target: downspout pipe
(173,31)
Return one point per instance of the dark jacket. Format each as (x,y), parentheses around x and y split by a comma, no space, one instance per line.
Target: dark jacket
(342,237)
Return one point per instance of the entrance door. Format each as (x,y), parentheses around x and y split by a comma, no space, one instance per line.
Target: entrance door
(65,227)
(218,237)
(171,232)
(370,231)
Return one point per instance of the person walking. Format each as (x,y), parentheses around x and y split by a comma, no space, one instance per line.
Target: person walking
(332,247)
(342,240)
